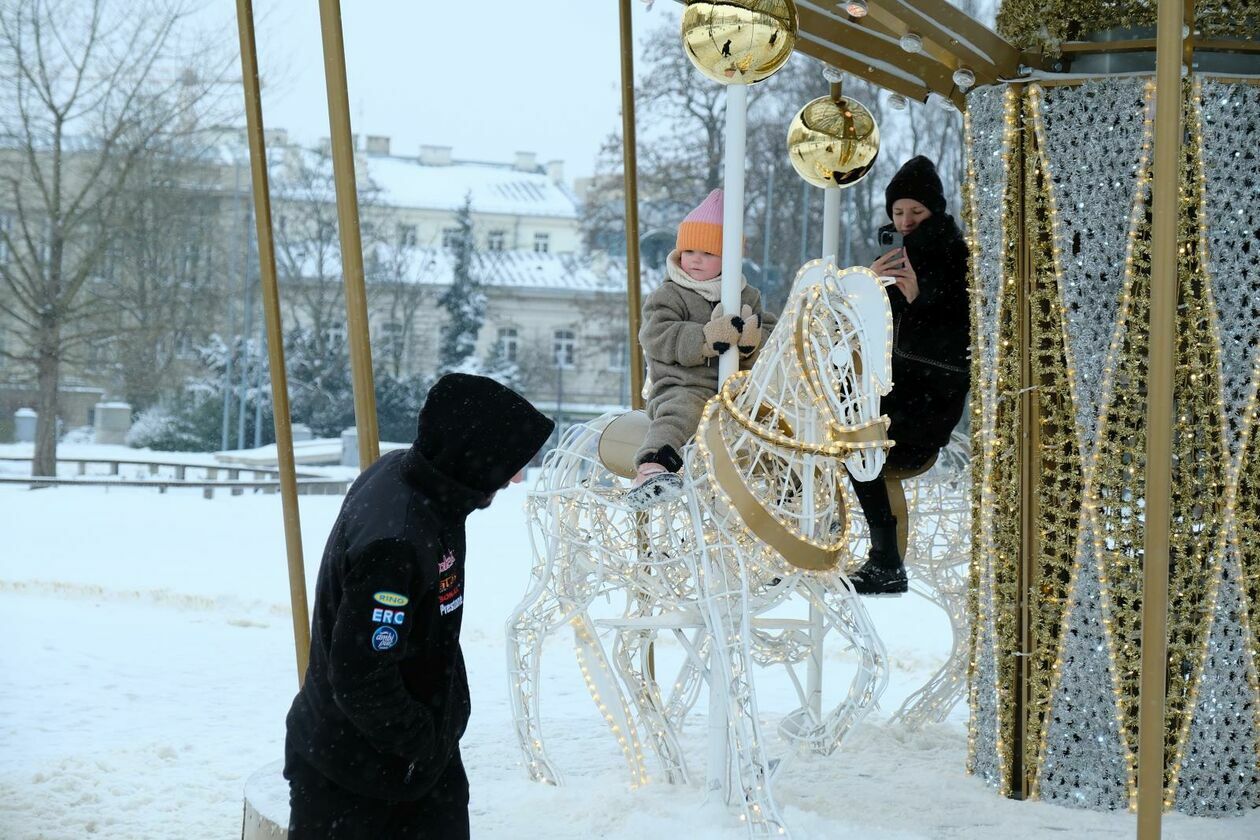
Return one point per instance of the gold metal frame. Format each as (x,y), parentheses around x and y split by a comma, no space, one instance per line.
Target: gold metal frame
(869,47)
(353,275)
(348,230)
(275,337)
(630,167)
(1159,418)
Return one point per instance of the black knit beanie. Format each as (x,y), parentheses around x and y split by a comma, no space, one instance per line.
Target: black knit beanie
(917,179)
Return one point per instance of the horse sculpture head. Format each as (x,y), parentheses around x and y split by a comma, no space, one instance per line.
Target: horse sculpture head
(848,342)
(820,377)
(809,405)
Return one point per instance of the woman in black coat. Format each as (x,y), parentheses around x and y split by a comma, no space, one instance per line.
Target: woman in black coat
(931,364)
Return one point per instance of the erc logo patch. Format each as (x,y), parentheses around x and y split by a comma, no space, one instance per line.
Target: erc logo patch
(380,616)
(384,638)
(391,599)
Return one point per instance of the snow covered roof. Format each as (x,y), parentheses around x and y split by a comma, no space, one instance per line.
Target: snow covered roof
(495,188)
(508,269)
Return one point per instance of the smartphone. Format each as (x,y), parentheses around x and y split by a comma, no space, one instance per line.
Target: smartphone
(889,239)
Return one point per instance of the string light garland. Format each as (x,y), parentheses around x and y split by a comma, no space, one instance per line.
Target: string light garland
(992,130)
(1215,766)
(1079,309)
(1085,226)
(1044,24)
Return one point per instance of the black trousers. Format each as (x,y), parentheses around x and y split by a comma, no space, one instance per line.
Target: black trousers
(873,495)
(319,809)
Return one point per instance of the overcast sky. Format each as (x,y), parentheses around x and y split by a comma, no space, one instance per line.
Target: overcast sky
(489,78)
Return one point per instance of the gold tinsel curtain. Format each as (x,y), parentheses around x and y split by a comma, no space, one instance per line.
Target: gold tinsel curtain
(1043,24)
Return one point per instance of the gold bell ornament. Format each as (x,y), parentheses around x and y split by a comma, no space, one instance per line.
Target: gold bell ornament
(739,42)
(833,142)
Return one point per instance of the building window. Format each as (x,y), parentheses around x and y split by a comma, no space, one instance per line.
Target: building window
(393,341)
(617,356)
(542,243)
(508,344)
(406,236)
(564,348)
(450,236)
(496,240)
(185,347)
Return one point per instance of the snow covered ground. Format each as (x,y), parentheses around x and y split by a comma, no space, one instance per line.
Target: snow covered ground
(148,663)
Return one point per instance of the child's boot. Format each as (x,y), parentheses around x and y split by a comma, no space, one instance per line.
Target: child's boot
(654,484)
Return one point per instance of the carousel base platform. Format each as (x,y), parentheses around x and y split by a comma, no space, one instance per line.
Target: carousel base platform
(266,804)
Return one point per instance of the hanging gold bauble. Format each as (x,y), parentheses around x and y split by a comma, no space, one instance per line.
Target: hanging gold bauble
(739,42)
(833,142)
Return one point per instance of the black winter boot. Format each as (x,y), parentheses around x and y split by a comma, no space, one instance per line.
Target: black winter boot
(883,572)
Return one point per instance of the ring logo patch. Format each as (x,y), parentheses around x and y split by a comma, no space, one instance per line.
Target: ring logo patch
(391,599)
(384,638)
(382,616)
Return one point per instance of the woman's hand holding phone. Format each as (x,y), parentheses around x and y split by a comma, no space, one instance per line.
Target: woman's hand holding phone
(895,264)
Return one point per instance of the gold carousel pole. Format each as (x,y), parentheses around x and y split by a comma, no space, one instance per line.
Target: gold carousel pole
(348,228)
(631,173)
(1159,415)
(275,336)
(634,281)
(1029,462)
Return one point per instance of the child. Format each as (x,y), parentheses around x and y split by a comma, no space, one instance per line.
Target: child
(684,331)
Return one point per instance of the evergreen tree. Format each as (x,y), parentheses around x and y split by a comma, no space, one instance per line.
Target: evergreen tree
(398,400)
(321,393)
(464,301)
(502,369)
(191,419)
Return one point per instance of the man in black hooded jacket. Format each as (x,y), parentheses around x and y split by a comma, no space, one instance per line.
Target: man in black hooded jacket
(372,748)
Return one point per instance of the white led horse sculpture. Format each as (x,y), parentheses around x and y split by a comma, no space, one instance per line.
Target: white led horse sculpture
(762,519)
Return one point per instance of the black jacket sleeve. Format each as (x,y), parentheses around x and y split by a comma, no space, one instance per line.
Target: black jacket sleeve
(942,286)
(363,669)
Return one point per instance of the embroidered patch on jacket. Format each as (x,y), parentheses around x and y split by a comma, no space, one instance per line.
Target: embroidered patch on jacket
(384,638)
(391,599)
(450,588)
(383,616)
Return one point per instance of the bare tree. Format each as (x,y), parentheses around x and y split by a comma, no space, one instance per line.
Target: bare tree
(88,88)
(396,287)
(159,275)
(308,245)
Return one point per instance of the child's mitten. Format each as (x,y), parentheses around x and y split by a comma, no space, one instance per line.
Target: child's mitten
(749,331)
(721,333)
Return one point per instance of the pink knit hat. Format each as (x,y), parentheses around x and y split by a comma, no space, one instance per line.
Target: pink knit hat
(702,229)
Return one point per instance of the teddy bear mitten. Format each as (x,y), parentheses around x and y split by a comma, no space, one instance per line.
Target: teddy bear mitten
(749,331)
(721,333)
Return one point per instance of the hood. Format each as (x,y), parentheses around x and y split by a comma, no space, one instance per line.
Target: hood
(478,433)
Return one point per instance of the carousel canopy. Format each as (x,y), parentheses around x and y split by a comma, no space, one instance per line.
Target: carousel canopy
(930,46)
